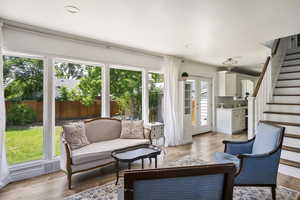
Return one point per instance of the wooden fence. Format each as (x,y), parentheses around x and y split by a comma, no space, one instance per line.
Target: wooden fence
(67,110)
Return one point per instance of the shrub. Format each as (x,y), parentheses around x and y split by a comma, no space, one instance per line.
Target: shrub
(20,114)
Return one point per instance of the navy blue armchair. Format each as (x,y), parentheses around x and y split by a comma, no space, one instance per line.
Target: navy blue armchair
(257,160)
(213,182)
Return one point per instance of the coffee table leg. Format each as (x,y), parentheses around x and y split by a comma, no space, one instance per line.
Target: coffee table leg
(155,161)
(142,163)
(117,172)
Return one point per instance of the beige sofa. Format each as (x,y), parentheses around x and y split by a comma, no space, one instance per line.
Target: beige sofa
(104,137)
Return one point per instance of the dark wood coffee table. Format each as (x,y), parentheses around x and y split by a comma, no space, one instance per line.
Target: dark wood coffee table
(132,154)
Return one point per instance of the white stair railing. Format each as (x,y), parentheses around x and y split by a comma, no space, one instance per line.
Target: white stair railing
(263,92)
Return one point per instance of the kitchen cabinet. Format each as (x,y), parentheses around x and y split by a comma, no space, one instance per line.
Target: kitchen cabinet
(230,83)
(231,120)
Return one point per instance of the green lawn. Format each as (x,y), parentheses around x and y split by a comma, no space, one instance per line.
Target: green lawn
(26,144)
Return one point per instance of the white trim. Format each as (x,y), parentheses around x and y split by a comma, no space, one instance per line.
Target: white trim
(126,67)
(77,61)
(49,109)
(34,168)
(145,96)
(105,93)
(22,55)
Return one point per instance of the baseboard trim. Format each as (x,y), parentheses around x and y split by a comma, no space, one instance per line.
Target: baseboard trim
(36,169)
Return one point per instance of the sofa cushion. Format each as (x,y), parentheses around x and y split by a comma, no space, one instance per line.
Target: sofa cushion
(267,138)
(102,150)
(92,164)
(102,130)
(75,135)
(132,129)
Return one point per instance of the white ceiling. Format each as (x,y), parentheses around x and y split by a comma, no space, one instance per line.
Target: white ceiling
(208,31)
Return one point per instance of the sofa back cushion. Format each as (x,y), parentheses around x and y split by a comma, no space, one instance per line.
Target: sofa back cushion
(102,129)
(267,138)
(132,129)
(75,135)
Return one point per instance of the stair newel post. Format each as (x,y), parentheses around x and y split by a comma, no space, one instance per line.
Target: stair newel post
(251,117)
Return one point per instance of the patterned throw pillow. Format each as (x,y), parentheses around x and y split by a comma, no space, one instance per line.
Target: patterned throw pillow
(75,135)
(132,129)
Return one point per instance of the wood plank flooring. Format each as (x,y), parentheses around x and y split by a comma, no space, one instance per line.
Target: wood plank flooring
(54,186)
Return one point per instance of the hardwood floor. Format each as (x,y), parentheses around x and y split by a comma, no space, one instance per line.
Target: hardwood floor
(54,186)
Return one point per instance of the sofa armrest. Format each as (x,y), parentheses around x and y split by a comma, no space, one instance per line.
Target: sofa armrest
(147,134)
(66,154)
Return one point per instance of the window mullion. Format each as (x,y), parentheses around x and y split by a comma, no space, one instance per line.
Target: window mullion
(105,95)
(49,109)
(145,96)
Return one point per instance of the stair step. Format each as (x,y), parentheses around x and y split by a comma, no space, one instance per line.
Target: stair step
(291,117)
(289,171)
(290,69)
(290,72)
(291,59)
(288,83)
(290,163)
(289,135)
(290,65)
(291,52)
(289,127)
(288,79)
(281,113)
(287,90)
(290,155)
(283,107)
(288,75)
(281,123)
(288,95)
(294,86)
(288,104)
(283,98)
(293,149)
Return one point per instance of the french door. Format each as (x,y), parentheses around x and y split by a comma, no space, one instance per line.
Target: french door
(198,105)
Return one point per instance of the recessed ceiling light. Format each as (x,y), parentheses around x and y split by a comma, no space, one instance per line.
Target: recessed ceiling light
(72,9)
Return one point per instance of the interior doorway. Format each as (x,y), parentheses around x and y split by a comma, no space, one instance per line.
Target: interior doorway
(198,105)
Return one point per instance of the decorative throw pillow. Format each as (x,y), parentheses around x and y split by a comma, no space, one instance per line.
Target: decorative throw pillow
(132,129)
(75,135)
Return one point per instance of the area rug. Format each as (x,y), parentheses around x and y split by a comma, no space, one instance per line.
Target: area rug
(109,191)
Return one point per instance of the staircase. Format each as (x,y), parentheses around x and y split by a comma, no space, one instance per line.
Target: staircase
(284,110)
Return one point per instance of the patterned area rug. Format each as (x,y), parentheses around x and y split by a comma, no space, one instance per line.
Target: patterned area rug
(109,191)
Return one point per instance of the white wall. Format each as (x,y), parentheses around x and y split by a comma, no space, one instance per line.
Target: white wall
(207,71)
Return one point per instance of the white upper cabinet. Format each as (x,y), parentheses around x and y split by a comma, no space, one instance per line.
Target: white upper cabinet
(234,84)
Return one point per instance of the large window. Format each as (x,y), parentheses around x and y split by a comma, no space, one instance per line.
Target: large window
(77,95)
(156,87)
(126,93)
(23,83)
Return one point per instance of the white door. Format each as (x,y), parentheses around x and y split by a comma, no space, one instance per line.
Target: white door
(198,105)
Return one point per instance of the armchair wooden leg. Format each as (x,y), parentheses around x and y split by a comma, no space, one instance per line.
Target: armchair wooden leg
(274,192)
(69,181)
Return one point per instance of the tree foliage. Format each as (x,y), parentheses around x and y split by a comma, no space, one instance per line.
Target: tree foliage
(23,78)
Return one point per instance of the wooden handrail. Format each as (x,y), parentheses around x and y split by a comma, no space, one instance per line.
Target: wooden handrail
(261,77)
(276,47)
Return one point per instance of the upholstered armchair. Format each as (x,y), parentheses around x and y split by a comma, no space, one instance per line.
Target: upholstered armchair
(213,182)
(257,159)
